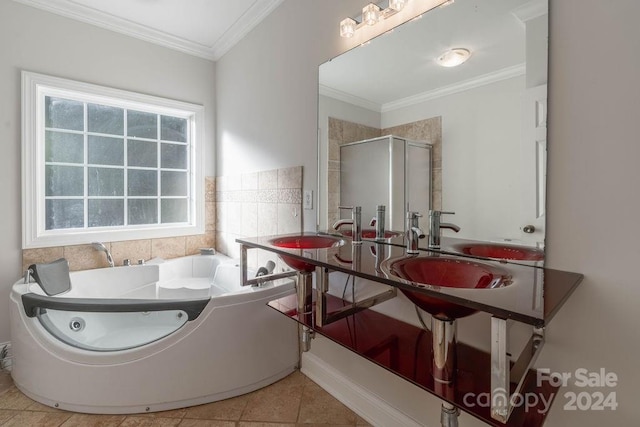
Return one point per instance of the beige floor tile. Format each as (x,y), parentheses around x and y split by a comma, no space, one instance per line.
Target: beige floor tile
(36,419)
(91,420)
(5,382)
(278,402)
(259,424)
(135,421)
(37,406)
(320,407)
(173,413)
(229,409)
(206,423)
(361,422)
(294,401)
(323,425)
(14,399)
(6,415)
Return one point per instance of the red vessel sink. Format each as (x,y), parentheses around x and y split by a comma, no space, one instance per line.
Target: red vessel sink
(304,242)
(370,234)
(497,251)
(446,272)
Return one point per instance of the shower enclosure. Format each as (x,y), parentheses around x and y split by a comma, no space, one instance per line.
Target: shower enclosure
(389,170)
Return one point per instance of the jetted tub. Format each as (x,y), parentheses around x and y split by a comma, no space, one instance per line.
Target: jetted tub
(147,338)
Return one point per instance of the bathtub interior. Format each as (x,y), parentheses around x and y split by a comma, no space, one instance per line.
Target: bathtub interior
(111,331)
(188,278)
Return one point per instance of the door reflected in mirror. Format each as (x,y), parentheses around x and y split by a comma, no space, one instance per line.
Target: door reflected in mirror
(485,120)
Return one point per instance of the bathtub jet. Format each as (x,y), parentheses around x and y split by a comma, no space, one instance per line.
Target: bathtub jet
(154,337)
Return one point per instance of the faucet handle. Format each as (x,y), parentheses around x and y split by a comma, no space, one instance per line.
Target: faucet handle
(345,207)
(414,215)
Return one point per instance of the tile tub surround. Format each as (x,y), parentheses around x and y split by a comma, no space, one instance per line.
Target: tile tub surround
(253,204)
(291,402)
(343,132)
(84,257)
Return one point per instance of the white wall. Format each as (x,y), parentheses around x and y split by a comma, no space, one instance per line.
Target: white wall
(267,106)
(480,165)
(38,41)
(267,91)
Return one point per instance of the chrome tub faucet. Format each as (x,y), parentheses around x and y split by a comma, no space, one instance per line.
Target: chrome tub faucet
(100,247)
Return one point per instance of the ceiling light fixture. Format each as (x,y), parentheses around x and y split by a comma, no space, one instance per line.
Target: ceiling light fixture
(454,57)
(374,13)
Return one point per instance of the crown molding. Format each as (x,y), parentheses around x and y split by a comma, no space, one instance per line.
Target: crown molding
(92,16)
(349,99)
(531,10)
(485,79)
(247,22)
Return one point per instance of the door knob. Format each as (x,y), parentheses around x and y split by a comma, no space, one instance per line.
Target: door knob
(529,229)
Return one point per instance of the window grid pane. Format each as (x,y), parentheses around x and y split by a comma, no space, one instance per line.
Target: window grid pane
(151,145)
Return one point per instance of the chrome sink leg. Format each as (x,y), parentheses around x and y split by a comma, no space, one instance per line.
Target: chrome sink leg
(305,299)
(500,372)
(449,415)
(444,363)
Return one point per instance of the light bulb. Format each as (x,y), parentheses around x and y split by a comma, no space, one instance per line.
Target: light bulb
(371,14)
(454,57)
(347,27)
(397,5)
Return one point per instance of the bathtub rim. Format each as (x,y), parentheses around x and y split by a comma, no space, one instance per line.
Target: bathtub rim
(58,349)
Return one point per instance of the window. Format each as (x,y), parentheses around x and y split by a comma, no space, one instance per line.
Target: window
(106,164)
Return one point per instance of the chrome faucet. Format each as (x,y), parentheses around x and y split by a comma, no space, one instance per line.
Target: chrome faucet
(378,222)
(435,226)
(355,221)
(102,248)
(413,232)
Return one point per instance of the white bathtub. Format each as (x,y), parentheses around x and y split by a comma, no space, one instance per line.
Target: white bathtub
(150,338)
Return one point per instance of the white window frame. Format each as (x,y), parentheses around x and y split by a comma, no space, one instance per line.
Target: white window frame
(34,89)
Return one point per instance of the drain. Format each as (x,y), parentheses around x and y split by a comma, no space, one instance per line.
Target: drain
(76,324)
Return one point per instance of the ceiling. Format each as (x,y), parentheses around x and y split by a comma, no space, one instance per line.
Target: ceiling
(399,68)
(204,28)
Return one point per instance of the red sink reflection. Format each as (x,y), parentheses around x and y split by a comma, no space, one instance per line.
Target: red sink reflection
(304,242)
(497,251)
(447,273)
(370,234)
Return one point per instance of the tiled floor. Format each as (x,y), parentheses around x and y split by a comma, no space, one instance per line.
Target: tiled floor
(295,401)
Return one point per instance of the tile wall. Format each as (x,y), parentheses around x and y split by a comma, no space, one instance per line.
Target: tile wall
(257,204)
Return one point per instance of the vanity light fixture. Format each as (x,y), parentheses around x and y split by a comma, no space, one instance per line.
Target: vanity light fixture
(454,57)
(373,13)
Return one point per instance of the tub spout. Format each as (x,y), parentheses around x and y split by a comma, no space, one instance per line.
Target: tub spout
(100,247)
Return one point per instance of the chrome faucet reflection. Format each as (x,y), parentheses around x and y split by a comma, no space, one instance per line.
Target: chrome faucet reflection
(435,226)
(100,247)
(378,222)
(413,232)
(355,221)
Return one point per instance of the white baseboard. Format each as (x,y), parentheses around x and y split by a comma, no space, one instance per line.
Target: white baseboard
(369,406)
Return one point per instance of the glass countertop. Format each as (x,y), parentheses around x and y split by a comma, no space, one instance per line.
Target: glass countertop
(533,294)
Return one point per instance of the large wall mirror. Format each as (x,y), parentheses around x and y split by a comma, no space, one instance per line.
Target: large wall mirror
(485,120)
